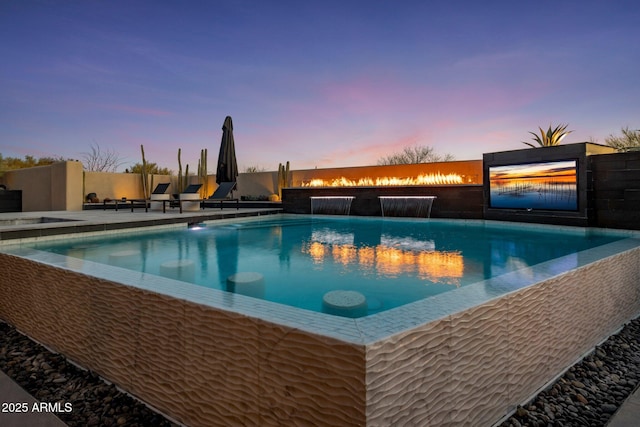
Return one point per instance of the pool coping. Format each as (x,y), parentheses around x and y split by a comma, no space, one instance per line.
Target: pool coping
(88,221)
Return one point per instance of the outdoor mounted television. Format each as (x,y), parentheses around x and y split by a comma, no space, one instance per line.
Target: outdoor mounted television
(549,185)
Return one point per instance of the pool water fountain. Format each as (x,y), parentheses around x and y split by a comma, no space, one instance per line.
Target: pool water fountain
(331,205)
(416,206)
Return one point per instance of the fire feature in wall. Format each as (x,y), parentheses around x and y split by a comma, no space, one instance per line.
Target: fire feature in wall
(423,179)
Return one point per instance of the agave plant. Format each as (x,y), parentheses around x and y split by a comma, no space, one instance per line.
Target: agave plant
(550,137)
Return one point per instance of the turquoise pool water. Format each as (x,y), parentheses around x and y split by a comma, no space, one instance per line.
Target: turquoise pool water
(297,260)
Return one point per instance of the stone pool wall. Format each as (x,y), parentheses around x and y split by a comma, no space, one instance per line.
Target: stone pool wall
(205,366)
(473,367)
(199,365)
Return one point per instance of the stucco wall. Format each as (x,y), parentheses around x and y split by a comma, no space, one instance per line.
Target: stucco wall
(118,185)
(47,188)
(35,186)
(257,183)
(66,186)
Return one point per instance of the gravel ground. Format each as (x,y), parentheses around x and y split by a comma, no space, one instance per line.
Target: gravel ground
(590,391)
(49,377)
(587,394)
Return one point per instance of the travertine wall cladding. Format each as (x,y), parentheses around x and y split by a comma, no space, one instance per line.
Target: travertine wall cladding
(201,366)
(206,367)
(473,367)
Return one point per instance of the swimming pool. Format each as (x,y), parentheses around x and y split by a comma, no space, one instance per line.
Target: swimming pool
(297,261)
(205,356)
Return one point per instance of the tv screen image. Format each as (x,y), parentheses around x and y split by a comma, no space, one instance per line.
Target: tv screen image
(546,185)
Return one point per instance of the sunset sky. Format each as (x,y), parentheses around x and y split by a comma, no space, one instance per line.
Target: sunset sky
(318,83)
(562,170)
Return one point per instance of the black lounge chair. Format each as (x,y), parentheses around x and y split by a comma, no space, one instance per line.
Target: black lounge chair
(158,195)
(192,188)
(161,188)
(222,194)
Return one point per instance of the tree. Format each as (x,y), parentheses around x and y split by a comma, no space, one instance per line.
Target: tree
(549,138)
(629,141)
(415,154)
(152,168)
(11,163)
(254,169)
(101,161)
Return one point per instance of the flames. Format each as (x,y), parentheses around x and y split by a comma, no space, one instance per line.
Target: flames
(424,179)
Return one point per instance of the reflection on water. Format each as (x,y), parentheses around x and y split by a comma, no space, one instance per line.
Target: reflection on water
(391,258)
(301,259)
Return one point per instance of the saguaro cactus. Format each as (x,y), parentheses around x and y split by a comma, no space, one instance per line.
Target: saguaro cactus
(284,178)
(202,173)
(186,178)
(179,171)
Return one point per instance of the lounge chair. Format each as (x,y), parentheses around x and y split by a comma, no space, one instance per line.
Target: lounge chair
(189,199)
(192,189)
(222,194)
(161,188)
(159,196)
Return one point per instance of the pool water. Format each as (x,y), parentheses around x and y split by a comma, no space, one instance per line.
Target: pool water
(296,260)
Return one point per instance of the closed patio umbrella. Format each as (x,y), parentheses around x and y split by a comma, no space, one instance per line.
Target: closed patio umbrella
(227,170)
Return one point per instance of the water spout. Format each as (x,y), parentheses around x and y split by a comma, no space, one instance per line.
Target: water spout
(416,206)
(331,205)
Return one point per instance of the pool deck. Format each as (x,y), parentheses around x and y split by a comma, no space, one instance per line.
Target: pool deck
(105,220)
(11,392)
(629,413)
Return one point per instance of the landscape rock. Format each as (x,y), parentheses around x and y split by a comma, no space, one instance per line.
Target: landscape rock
(49,377)
(592,390)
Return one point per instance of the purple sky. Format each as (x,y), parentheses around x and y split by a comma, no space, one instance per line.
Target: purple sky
(319,83)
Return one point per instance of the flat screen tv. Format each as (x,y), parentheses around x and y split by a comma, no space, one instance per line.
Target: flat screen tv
(546,185)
